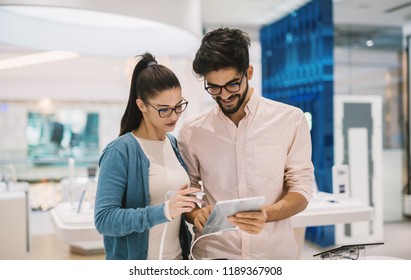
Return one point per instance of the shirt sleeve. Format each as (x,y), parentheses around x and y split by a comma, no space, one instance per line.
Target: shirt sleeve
(189,156)
(299,170)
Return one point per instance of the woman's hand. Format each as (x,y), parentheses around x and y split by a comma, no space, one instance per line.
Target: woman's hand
(183,202)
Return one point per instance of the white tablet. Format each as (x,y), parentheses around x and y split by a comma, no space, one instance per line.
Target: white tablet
(218,221)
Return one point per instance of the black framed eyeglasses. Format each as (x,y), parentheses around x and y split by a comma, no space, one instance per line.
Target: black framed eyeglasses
(166,112)
(232,87)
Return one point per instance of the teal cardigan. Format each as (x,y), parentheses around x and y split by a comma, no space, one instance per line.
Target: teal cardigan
(122,209)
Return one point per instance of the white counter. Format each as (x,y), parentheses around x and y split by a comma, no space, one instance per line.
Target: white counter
(326,209)
(76,229)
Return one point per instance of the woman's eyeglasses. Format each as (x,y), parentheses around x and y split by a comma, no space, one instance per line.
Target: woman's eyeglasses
(166,112)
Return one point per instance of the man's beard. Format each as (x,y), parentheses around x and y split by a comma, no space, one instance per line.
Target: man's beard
(233,110)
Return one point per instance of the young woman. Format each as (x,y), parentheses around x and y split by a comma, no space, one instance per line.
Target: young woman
(143,186)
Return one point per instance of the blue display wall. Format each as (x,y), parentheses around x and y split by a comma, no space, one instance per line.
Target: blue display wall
(297,69)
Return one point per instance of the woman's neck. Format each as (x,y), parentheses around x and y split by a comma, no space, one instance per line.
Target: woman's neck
(148,132)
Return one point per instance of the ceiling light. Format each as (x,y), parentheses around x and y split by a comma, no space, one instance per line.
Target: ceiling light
(37,58)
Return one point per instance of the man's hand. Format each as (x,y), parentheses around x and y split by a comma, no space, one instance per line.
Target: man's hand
(251,222)
(200,216)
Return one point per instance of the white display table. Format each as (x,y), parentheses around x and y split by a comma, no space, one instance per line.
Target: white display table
(77,229)
(324,209)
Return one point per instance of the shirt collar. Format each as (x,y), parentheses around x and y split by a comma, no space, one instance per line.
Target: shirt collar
(252,104)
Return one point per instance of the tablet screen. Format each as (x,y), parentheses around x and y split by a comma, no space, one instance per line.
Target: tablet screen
(218,220)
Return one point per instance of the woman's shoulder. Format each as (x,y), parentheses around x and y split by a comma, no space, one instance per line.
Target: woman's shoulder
(124,147)
(123,143)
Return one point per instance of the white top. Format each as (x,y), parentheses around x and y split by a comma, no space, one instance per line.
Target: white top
(166,175)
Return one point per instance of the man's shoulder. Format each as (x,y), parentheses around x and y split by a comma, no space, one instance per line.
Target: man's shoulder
(275,106)
(198,119)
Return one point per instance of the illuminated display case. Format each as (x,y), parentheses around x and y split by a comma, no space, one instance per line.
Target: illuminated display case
(297,69)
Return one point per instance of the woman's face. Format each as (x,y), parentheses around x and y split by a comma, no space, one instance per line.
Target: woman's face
(163,111)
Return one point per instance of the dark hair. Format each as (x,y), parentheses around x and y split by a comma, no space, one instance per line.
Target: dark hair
(220,49)
(148,80)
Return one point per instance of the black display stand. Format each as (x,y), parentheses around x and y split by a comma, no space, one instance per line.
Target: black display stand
(347,252)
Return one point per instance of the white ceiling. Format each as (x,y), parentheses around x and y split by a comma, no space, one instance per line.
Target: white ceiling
(372,12)
(250,15)
(257,12)
(93,76)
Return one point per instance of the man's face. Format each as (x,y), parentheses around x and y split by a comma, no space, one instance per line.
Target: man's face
(228,88)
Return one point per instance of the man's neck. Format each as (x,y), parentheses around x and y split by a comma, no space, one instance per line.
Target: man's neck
(240,114)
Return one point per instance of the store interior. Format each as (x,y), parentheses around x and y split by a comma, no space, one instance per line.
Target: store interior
(63,104)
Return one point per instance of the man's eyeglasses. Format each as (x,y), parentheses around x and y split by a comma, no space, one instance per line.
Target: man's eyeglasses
(230,87)
(166,112)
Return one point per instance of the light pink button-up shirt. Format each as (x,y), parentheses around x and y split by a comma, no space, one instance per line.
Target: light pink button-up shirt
(268,154)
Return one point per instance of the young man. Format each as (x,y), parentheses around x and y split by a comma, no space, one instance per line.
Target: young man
(245,146)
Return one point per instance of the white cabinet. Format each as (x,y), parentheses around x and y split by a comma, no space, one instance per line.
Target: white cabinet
(14,224)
